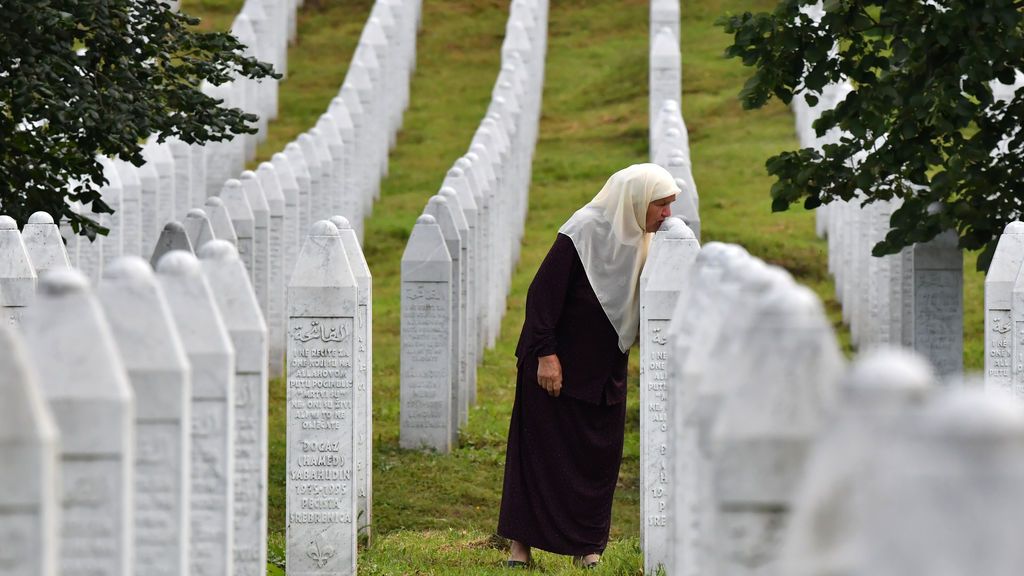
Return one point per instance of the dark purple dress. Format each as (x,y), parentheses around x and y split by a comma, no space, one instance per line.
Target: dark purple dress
(563,455)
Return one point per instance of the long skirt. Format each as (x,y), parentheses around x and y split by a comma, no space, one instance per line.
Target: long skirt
(561,467)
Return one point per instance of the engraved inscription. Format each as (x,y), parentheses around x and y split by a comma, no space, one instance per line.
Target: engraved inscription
(320,483)
(210,521)
(426,372)
(91,530)
(249,493)
(937,318)
(655,412)
(158,498)
(1000,353)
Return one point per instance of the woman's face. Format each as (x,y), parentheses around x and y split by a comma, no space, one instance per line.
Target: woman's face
(657,211)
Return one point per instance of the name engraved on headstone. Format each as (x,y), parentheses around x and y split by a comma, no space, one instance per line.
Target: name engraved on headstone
(935,319)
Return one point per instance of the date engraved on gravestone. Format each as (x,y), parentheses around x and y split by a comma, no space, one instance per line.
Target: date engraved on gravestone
(209,487)
(320,451)
(89,532)
(425,367)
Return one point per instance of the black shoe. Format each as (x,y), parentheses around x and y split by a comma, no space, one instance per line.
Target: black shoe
(518,565)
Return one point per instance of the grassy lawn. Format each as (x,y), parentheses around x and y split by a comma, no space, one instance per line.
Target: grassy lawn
(437,514)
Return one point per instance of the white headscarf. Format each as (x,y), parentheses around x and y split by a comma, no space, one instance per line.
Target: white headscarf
(611,241)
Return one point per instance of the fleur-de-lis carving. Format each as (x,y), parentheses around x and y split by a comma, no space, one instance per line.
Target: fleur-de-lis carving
(320,554)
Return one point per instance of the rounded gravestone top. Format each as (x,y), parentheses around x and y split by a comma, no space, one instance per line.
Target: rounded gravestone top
(219,250)
(456,171)
(677,153)
(8,223)
(673,132)
(435,199)
(196,213)
(341,223)
(669,106)
(231,184)
(324,228)
(178,263)
(174,226)
(464,162)
(478,146)
(128,268)
(676,160)
(472,156)
(427,220)
(447,192)
(890,369)
(974,413)
(62,281)
(266,167)
(279,156)
(1014,228)
(293,147)
(214,201)
(681,184)
(677,230)
(40,218)
(247,175)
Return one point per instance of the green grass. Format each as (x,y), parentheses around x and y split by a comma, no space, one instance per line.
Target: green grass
(436,514)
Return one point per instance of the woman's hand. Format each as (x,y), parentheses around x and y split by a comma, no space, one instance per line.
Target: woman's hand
(549,374)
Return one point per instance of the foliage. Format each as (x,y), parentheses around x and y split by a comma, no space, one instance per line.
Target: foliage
(921,123)
(81,78)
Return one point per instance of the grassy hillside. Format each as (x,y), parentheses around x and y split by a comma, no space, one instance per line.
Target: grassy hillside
(437,514)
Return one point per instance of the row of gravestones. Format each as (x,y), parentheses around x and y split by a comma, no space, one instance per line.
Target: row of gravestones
(912,299)
(459,259)
(669,140)
(136,422)
(136,427)
(767,456)
(177,176)
(334,168)
(1004,313)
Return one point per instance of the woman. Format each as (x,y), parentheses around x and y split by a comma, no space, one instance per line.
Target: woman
(582,316)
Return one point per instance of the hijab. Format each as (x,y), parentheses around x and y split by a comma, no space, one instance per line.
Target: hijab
(609,237)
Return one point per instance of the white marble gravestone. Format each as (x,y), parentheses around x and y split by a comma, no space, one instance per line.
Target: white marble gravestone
(999,327)
(182,154)
(427,335)
(198,228)
(212,356)
(304,177)
(319,177)
(261,238)
(131,206)
(363,373)
(665,14)
(173,237)
(944,495)
(292,233)
(467,235)
(782,388)
(276,285)
(29,480)
(110,246)
(44,244)
(159,208)
(880,391)
(244,221)
(444,214)
(321,481)
(149,188)
(239,308)
(161,378)
(17,278)
(662,279)
(87,387)
(220,220)
(937,303)
(666,72)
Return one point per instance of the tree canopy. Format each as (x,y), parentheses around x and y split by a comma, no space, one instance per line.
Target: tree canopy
(921,123)
(80,78)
